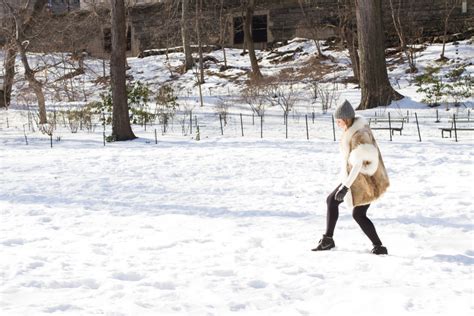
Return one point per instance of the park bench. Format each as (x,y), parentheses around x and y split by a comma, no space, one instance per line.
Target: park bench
(393,128)
(382,119)
(464,119)
(457,125)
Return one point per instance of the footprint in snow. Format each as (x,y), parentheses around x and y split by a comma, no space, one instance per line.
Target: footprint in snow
(166,285)
(45,219)
(127,276)
(60,308)
(13,242)
(30,267)
(317,275)
(409,305)
(99,251)
(256,242)
(36,213)
(223,273)
(257,284)
(235,307)
(72,284)
(35,264)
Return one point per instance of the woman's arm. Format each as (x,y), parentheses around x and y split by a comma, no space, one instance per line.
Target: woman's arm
(353,174)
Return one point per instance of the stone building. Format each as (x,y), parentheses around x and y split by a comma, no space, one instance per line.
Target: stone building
(155,24)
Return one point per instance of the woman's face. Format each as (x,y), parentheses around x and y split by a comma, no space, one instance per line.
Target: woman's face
(341,123)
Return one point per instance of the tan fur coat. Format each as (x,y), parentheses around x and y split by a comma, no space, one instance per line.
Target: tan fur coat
(358,144)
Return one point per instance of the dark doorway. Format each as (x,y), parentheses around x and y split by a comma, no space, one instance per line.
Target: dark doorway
(107,33)
(238,30)
(129,38)
(259,29)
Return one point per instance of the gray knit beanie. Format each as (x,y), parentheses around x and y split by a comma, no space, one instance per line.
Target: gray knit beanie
(344,111)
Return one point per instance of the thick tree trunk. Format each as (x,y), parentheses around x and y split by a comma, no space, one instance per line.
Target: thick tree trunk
(188,56)
(121,129)
(10,58)
(375,86)
(256,74)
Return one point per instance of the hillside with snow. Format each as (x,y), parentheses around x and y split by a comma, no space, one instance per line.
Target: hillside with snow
(221,221)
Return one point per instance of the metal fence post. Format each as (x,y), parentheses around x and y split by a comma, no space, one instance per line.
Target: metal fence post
(455,128)
(418,126)
(389,126)
(333,128)
(307,130)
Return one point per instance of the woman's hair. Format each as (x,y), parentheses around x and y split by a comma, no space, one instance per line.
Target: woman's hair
(348,121)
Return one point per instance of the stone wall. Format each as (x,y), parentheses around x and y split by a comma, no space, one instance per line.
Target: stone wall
(158,25)
(286,21)
(426,17)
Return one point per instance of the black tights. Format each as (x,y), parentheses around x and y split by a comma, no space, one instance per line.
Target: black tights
(359,213)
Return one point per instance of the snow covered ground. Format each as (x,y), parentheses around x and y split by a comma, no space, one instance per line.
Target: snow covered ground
(224,225)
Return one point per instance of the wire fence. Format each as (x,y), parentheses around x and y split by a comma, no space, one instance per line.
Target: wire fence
(393,125)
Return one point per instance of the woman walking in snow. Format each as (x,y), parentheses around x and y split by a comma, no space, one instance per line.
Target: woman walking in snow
(364,178)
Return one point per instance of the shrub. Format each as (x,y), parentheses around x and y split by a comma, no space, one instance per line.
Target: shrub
(430,83)
(453,87)
(166,105)
(79,118)
(137,98)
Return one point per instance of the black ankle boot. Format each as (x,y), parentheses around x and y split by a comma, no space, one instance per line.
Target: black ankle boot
(325,243)
(380,250)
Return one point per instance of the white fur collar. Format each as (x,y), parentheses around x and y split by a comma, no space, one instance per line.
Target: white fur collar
(359,123)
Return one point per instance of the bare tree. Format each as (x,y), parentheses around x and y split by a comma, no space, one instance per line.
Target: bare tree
(199,42)
(279,90)
(223,30)
(347,31)
(375,86)
(197,75)
(311,21)
(400,29)
(449,6)
(9,65)
(253,95)
(188,56)
(121,129)
(31,28)
(328,95)
(24,19)
(249,6)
